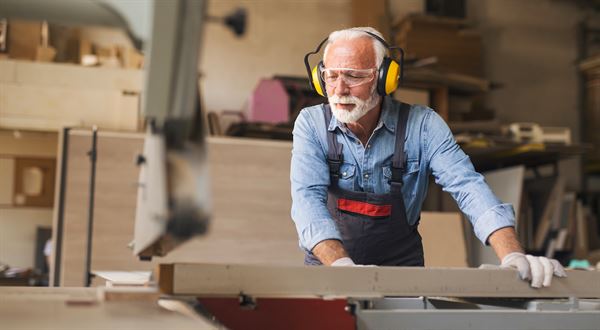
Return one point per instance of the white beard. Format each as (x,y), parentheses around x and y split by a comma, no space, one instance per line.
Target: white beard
(361,107)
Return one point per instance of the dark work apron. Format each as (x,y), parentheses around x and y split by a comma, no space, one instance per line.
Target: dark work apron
(374,227)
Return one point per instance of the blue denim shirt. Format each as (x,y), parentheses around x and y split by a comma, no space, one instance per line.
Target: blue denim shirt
(430,148)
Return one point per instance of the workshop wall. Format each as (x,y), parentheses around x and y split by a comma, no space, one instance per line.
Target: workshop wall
(530,47)
(278,35)
(18,225)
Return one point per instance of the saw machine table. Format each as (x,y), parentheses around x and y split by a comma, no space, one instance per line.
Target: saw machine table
(301,297)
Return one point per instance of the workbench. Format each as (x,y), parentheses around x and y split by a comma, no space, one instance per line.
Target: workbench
(216,296)
(309,297)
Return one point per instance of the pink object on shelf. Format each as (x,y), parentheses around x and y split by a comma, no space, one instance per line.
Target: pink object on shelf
(269,103)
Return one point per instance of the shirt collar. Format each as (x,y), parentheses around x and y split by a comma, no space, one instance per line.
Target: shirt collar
(386,119)
(333,123)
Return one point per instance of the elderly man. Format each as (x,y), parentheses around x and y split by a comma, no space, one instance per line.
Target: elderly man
(359,177)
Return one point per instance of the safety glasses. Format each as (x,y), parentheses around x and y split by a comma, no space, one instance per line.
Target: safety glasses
(350,77)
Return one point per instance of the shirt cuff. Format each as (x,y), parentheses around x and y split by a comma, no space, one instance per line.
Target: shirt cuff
(318,231)
(499,216)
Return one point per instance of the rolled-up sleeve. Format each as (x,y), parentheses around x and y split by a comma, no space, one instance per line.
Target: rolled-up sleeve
(309,175)
(454,171)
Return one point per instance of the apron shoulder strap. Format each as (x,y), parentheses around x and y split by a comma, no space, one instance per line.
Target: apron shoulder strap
(399,158)
(334,149)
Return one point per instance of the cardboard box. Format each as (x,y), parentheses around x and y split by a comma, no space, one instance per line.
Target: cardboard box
(457,47)
(24,38)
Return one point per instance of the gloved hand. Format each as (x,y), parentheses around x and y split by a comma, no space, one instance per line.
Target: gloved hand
(537,269)
(347,262)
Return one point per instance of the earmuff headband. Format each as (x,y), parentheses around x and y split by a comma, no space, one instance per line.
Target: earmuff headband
(378,38)
(391,48)
(316,51)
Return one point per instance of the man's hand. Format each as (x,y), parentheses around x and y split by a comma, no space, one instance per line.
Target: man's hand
(537,269)
(329,251)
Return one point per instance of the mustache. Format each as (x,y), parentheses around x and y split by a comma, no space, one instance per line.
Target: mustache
(346,99)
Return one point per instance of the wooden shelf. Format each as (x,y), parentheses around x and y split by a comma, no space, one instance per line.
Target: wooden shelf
(49,96)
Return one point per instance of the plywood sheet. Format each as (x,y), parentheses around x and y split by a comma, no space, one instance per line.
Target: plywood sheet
(443,239)
(251,205)
(311,281)
(250,194)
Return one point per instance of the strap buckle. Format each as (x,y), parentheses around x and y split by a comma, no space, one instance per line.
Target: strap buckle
(334,167)
(397,174)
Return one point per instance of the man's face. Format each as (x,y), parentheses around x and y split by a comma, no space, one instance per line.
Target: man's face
(350,97)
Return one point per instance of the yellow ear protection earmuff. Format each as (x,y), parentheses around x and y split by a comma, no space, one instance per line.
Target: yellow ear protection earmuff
(314,76)
(389,73)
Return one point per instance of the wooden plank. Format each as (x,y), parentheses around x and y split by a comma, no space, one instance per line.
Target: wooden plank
(57,224)
(85,308)
(76,201)
(551,211)
(311,281)
(47,293)
(166,284)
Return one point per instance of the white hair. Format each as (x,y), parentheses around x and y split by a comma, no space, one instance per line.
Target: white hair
(355,33)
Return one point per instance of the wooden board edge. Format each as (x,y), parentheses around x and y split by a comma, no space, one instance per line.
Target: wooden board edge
(224,279)
(166,275)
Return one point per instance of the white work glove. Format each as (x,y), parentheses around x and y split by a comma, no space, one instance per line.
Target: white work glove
(537,269)
(347,262)
(343,262)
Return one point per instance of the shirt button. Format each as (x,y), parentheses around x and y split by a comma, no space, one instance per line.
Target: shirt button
(344,174)
(368,146)
(366,176)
